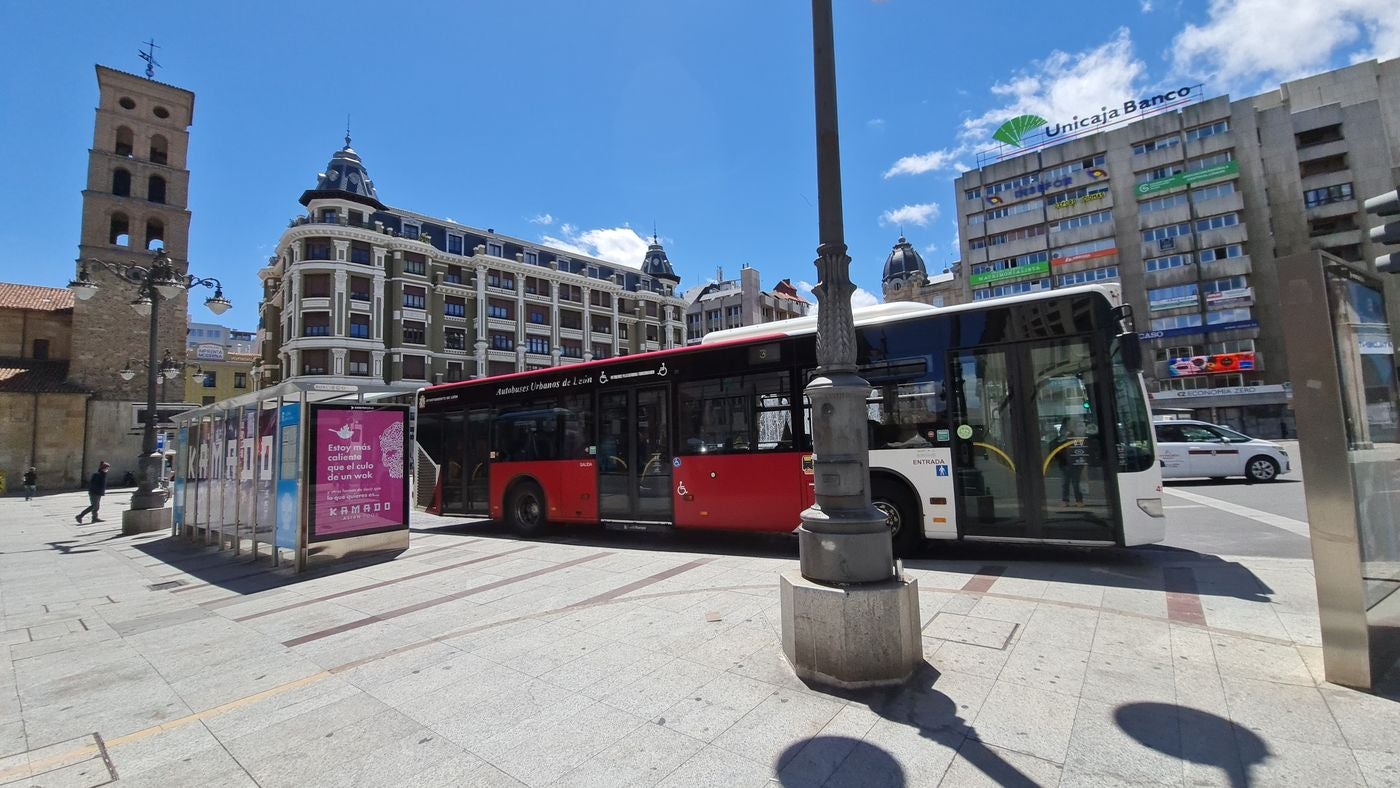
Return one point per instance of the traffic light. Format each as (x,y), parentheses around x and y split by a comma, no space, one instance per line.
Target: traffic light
(1388,205)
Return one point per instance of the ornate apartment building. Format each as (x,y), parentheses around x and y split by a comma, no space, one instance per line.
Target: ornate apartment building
(359,291)
(729,303)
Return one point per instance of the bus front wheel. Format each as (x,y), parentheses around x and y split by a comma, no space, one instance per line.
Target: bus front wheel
(901,515)
(525,510)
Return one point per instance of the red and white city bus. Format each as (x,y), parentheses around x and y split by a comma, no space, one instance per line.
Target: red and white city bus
(1021,419)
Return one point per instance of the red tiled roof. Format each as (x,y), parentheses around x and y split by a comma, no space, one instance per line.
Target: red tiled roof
(29,376)
(39,299)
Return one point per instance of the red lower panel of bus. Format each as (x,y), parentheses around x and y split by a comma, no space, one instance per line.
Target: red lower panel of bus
(570,487)
(740,492)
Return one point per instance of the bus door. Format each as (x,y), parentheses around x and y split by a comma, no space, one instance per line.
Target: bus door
(476,464)
(1031,453)
(634,455)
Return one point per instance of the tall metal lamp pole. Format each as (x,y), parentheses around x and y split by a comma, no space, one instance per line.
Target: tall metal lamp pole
(848,620)
(155,282)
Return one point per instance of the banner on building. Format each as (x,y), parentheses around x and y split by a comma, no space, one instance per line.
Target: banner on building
(1227,170)
(1041,268)
(1216,364)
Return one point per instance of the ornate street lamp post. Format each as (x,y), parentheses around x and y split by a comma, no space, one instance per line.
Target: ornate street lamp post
(155,282)
(849,619)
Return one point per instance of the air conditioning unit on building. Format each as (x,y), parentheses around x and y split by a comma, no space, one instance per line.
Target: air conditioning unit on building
(1166,244)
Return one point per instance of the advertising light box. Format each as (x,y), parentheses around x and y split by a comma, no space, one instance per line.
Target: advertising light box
(1217,364)
(359,470)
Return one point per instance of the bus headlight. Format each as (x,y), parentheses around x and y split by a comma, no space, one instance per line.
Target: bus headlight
(1152,506)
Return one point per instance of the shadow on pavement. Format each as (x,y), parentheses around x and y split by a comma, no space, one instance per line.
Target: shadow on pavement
(1196,736)
(240,574)
(918,703)
(1226,482)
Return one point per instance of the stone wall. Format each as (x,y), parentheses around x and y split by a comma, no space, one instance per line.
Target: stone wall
(46,431)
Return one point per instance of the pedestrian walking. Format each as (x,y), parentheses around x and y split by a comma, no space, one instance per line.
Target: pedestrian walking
(97,487)
(31,483)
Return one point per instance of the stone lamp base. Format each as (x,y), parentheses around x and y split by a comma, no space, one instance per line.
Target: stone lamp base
(864,635)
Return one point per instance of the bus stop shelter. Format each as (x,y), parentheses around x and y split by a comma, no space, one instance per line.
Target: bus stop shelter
(300,473)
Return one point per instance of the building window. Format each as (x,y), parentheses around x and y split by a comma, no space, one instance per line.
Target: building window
(1237,315)
(454,339)
(1088,219)
(415,298)
(454,243)
(1319,136)
(1213,192)
(1169,231)
(357,219)
(41,349)
(158,149)
(1176,321)
(330,216)
(359,326)
(1327,195)
(319,249)
(502,280)
(1217,222)
(415,368)
(537,345)
(1086,277)
(453,275)
(1208,130)
(359,252)
(121,182)
(571,349)
(316,286)
(498,310)
(533,258)
(1014,288)
(414,263)
(1167,263)
(972,194)
(537,316)
(211,380)
(155,189)
(1162,203)
(601,351)
(1213,160)
(1014,210)
(155,234)
(1221,253)
(240,380)
(414,333)
(1230,285)
(316,324)
(125,142)
(454,372)
(1161,143)
(502,342)
(454,306)
(493,249)
(357,362)
(410,230)
(119,231)
(359,289)
(1159,173)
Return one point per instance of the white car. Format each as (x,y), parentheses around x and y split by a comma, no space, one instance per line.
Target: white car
(1197,448)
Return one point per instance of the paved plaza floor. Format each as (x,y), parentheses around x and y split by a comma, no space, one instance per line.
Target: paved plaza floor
(478,659)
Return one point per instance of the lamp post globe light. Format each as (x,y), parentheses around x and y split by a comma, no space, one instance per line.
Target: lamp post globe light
(155,282)
(848,619)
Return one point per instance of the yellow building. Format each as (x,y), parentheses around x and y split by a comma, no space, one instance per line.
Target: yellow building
(213,374)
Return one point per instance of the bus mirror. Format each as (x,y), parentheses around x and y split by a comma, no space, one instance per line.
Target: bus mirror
(1131,349)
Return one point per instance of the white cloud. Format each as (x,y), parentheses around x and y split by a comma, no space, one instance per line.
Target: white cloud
(919,214)
(922,163)
(543,218)
(861,297)
(1246,42)
(1146,6)
(619,245)
(878,124)
(1062,85)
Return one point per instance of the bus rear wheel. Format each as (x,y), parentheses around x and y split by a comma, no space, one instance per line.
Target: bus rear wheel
(901,517)
(525,510)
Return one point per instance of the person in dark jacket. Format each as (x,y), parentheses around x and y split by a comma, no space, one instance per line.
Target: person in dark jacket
(31,483)
(97,487)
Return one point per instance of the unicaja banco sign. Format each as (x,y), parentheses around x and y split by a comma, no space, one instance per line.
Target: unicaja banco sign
(1015,131)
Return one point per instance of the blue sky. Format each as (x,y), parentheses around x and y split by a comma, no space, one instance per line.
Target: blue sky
(587,122)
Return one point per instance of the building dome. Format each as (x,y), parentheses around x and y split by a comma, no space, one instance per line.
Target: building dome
(345,178)
(655,263)
(904,263)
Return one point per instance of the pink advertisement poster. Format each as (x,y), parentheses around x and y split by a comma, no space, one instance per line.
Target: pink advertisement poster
(359,469)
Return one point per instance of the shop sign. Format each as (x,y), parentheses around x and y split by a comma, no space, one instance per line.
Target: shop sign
(1174,303)
(1217,364)
(1086,199)
(1019,272)
(1374,343)
(1229,391)
(1219,171)
(209,352)
(1243,296)
(1079,258)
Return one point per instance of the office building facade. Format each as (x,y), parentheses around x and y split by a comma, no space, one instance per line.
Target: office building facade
(1188,210)
(363,292)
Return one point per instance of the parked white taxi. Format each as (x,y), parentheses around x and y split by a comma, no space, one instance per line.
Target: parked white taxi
(1197,448)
